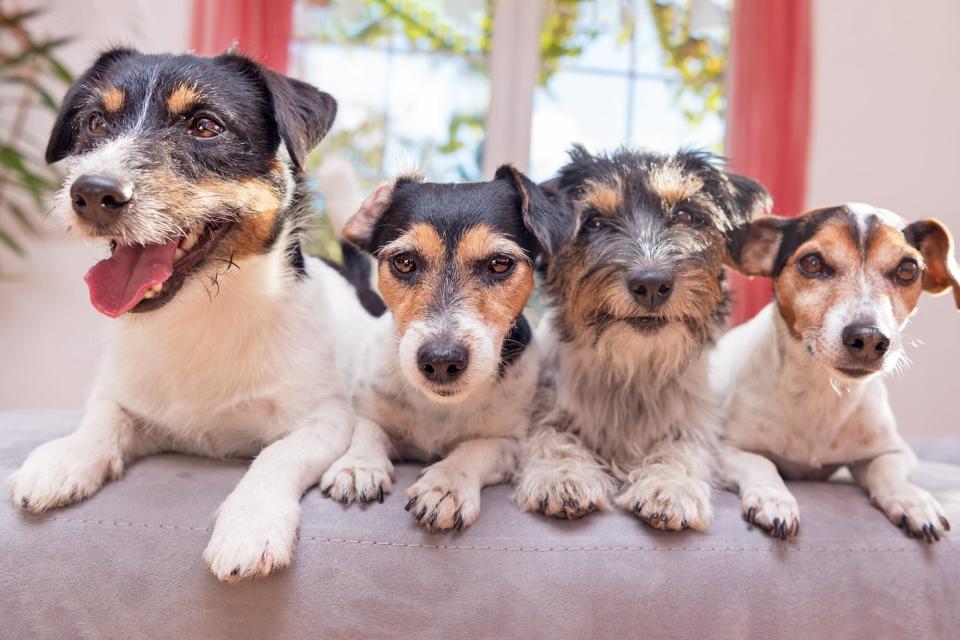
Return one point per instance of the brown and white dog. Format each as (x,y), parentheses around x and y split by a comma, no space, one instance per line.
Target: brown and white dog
(189,168)
(449,374)
(802,382)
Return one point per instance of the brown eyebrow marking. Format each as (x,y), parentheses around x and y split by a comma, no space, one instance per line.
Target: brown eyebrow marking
(605,198)
(182,98)
(112,98)
(477,243)
(672,185)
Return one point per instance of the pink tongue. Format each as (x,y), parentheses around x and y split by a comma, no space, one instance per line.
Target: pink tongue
(118,283)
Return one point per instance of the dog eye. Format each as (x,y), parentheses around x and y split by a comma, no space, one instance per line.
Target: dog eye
(500,265)
(907,272)
(593,223)
(683,219)
(205,127)
(97,124)
(404,263)
(811,265)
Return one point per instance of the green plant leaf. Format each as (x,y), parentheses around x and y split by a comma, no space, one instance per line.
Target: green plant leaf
(8,240)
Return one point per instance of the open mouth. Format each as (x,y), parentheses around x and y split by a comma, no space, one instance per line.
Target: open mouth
(647,324)
(142,278)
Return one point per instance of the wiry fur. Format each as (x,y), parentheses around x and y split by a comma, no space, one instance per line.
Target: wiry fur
(798,404)
(624,398)
(235,358)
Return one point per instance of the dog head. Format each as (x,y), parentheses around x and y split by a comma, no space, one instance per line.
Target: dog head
(455,269)
(648,237)
(848,278)
(181,163)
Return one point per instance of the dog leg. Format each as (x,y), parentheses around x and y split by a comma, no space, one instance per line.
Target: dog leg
(764,498)
(447,494)
(69,469)
(256,526)
(886,479)
(559,477)
(365,472)
(671,489)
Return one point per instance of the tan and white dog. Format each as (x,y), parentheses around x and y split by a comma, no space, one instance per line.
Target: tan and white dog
(190,168)
(802,382)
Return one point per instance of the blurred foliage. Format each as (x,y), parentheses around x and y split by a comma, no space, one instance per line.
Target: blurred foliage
(701,62)
(28,66)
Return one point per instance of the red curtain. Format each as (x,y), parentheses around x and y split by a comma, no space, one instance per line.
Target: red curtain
(769,121)
(261,28)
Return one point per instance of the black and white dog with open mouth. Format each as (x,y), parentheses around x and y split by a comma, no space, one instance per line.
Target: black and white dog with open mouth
(190,168)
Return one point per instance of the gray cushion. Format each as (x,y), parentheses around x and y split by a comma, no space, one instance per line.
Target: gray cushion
(126,563)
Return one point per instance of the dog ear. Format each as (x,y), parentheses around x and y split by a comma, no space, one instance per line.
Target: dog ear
(359,228)
(544,213)
(752,248)
(303,113)
(750,199)
(941,270)
(64,133)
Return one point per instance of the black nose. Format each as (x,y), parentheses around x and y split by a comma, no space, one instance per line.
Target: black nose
(865,342)
(442,361)
(651,287)
(100,199)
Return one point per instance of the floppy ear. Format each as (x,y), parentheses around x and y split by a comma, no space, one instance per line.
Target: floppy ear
(752,248)
(941,270)
(750,199)
(303,113)
(64,133)
(359,228)
(545,215)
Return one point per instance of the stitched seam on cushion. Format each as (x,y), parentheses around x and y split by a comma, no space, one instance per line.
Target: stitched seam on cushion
(415,545)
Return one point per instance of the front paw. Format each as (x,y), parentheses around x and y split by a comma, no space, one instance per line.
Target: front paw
(915,511)
(252,538)
(773,509)
(443,500)
(62,472)
(358,478)
(565,493)
(669,503)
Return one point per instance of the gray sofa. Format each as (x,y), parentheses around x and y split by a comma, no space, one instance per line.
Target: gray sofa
(126,564)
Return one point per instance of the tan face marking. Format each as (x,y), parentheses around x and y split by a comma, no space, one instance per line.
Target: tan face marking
(496,303)
(673,185)
(182,98)
(410,301)
(603,197)
(112,98)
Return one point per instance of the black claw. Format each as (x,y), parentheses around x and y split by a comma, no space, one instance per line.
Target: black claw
(934,532)
(684,523)
(945,523)
(345,497)
(751,514)
(458,522)
(421,513)
(654,516)
(637,508)
(411,502)
(576,503)
(380,494)
(432,520)
(362,497)
(24,502)
(326,490)
(544,503)
(904,523)
(665,518)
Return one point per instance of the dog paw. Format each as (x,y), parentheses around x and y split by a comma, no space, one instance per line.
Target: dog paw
(564,494)
(444,500)
(915,511)
(252,538)
(62,472)
(773,509)
(666,503)
(358,479)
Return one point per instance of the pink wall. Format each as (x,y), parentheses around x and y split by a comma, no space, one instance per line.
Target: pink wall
(886,132)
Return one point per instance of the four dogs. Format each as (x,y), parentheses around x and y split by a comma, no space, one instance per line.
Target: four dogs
(232,342)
